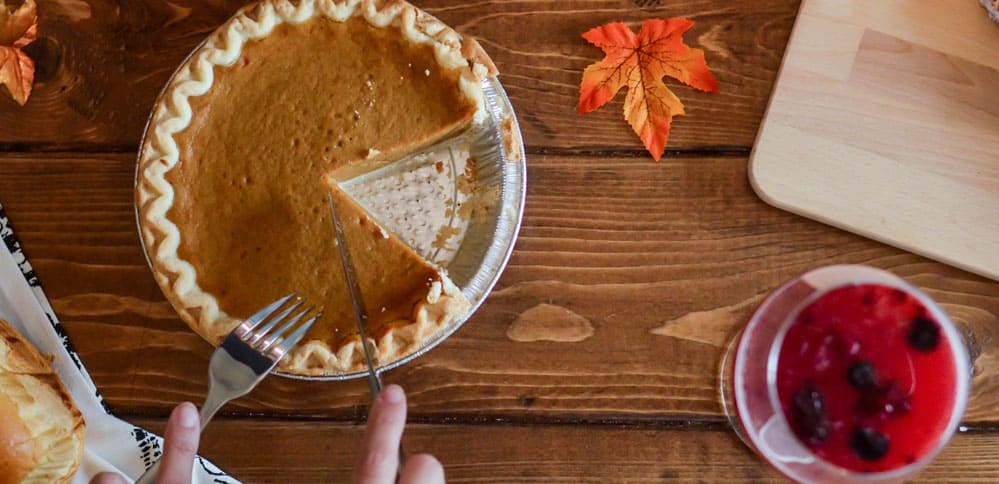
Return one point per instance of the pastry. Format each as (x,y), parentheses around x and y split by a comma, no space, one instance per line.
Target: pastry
(41,430)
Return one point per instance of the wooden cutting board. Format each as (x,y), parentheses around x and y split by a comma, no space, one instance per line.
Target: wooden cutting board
(885,122)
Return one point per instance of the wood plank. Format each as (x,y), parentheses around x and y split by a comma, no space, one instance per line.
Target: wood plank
(102,63)
(324,452)
(640,271)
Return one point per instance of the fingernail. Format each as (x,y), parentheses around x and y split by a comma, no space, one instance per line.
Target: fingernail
(392,394)
(109,478)
(188,416)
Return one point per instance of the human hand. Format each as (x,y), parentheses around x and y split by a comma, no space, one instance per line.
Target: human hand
(180,444)
(379,457)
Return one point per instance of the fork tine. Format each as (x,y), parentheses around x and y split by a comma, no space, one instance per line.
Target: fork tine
(273,337)
(296,336)
(261,315)
(263,330)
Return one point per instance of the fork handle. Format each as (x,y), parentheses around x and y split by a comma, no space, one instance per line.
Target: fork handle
(213,402)
(149,477)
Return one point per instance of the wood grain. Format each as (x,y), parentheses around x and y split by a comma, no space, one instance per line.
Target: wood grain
(594,360)
(885,121)
(663,261)
(101,64)
(324,452)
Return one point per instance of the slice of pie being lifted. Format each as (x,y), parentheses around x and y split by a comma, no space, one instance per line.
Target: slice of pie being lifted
(281,102)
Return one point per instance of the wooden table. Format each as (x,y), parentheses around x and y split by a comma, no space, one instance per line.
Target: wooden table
(640,272)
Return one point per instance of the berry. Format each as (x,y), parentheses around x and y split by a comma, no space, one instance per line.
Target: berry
(868,444)
(862,375)
(809,415)
(924,334)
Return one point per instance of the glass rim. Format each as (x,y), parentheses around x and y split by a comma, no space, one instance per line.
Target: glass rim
(952,335)
(761,335)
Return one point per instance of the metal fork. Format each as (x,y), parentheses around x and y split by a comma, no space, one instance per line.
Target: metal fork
(246,356)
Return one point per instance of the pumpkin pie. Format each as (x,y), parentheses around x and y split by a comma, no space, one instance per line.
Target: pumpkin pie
(277,107)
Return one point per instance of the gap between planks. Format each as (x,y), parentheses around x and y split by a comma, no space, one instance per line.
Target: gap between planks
(607,152)
(619,421)
(636,422)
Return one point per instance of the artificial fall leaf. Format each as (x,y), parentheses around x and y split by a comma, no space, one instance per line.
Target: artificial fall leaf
(640,62)
(17,29)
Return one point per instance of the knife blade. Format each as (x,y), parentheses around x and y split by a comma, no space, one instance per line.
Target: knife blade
(360,312)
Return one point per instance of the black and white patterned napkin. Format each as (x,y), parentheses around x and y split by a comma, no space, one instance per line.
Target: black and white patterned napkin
(112,444)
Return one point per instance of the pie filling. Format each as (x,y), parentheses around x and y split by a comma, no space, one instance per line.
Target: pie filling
(256,162)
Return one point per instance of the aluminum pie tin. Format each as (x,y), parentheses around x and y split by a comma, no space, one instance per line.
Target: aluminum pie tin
(993,10)
(488,239)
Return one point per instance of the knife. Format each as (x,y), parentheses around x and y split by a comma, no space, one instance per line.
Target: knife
(360,313)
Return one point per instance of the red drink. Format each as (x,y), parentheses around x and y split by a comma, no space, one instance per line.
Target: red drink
(865,379)
(847,374)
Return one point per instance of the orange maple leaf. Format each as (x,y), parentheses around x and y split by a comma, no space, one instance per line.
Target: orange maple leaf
(17,29)
(640,62)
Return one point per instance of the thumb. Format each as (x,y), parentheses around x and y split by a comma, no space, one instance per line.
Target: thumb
(180,444)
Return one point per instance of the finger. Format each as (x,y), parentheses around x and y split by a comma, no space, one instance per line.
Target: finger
(108,478)
(422,469)
(180,444)
(378,460)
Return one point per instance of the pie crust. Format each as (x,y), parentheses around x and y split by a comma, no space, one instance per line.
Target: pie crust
(160,153)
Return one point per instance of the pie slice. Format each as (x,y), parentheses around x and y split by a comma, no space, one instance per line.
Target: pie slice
(281,103)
